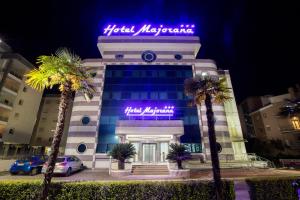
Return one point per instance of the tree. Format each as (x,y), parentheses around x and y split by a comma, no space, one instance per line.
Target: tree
(65,70)
(178,153)
(290,108)
(209,89)
(121,152)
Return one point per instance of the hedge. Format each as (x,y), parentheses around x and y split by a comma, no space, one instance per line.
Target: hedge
(124,190)
(272,188)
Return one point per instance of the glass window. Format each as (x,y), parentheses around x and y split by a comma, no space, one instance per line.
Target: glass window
(135,74)
(106,95)
(162,74)
(85,120)
(126,95)
(172,95)
(108,74)
(144,95)
(135,95)
(149,73)
(171,74)
(116,95)
(179,95)
(81,148)
(127,73)
(154,95)
(162,95)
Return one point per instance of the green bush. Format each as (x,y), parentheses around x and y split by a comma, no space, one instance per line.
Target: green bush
(124,190)
(272,189)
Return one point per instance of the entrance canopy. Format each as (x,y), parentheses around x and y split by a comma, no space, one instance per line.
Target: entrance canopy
(145,130)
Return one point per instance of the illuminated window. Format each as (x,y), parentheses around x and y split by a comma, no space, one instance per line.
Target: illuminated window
(296,122)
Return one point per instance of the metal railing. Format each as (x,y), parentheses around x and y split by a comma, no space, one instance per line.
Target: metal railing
(4,119)
(5,102)
(254,158)
(16,74)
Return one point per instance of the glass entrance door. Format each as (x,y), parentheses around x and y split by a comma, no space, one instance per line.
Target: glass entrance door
(149,153)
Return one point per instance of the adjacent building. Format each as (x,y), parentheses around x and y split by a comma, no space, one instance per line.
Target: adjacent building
(43,132)
(140,99)
(19,103)
(262,120)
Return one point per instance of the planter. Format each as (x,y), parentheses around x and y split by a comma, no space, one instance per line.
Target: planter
(120,173)
(180,173)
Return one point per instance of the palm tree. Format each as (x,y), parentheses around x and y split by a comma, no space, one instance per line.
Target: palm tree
(209,89)
(178,153)
(121,152)
(63,69)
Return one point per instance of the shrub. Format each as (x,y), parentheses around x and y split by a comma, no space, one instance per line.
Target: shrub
(272,188)
(124,190)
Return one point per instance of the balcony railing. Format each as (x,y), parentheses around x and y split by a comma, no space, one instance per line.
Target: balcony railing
(12,88)
(16,74)
(288,129)
(5,102)
(4,119)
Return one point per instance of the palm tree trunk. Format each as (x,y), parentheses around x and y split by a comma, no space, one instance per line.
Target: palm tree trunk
(213,147)
(63,105)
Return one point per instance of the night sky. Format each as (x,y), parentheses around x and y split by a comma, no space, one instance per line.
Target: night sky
(258,41)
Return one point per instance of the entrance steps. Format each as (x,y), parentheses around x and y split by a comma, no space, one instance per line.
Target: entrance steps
(150,170)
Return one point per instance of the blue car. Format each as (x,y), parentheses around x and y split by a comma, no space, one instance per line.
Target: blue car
(32,165)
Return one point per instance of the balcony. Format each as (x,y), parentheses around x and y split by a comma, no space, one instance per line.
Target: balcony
(6,104)
(14,75)
(3,120)
(288,129)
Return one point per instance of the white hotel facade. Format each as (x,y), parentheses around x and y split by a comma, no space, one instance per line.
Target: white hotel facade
(149,71)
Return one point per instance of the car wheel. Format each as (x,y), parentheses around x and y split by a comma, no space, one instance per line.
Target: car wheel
(69,171)
(13,173)
(34,171)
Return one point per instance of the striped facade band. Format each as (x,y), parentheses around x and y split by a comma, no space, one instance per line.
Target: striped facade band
(87,134)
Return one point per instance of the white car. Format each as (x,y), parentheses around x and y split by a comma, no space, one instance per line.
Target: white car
(66,165)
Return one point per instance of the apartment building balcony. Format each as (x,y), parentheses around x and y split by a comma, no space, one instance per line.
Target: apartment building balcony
(15,76)
(3,120)
(6,104)
(289,129)
(11,85)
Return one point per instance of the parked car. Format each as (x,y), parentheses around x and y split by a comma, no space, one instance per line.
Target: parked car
(31,165)
(66,165)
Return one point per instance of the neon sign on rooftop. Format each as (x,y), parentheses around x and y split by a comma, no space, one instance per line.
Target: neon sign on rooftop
(148,29)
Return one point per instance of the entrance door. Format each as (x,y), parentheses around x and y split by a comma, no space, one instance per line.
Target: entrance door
(149,153)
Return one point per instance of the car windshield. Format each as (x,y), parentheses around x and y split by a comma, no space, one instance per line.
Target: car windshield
(59,160)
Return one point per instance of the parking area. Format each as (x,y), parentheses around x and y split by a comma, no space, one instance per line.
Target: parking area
(103,175)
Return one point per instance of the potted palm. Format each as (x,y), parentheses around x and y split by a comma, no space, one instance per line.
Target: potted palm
(122,152)
(179,153)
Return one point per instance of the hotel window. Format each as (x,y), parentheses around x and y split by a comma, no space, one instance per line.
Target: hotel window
(296,123)
(162,95)
(172,95)
(127,74)
(126,95)
(134,95)
(154,95)
(25,89)
(116,95)
(144,95)
(149,73)
(85,120)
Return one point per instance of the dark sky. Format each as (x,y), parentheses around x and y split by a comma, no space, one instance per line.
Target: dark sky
(258,41)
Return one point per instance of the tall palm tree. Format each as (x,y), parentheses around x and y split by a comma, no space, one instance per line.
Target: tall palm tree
(65,70)
(209,89)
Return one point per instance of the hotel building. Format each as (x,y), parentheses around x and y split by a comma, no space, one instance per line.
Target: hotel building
(140,99)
